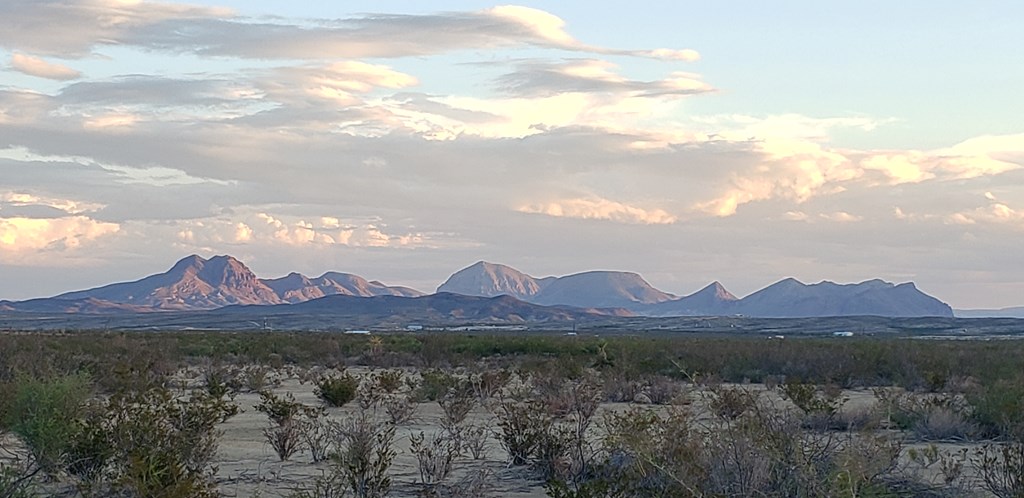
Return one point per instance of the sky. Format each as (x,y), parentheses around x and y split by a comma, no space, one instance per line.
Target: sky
(743,142)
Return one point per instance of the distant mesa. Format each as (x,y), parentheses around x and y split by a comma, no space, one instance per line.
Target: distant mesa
(791,298)
(787,298)
(1014,312)
(297,288)
(593,289)
(482,291)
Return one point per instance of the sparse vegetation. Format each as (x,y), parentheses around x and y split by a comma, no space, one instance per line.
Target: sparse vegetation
(110,414)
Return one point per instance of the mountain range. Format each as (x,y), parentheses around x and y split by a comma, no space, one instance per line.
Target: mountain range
(483,291)
(195,283)
(788,298)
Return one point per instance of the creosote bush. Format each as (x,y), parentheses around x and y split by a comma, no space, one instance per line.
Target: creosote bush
(435,457)
(337,390)
(363,454)
(44,414)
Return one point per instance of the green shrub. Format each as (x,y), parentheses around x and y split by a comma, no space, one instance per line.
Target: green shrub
(435,383)
(163,444)
(43,413)
(337,391)
(280,409)
(998,407)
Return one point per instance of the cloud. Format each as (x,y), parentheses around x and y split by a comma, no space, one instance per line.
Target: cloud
(541,78)
(30,24)
(600,209)
(180,28)
(329,231)
(67,206)
(35,66)
(995,213)
(840,217)
(19,236)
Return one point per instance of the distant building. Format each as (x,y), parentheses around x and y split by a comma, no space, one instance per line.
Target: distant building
(842,334)
(413,328)
(360,332)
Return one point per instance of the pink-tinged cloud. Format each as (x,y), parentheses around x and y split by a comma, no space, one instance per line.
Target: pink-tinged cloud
(19,235)
(601,209)
(34,66)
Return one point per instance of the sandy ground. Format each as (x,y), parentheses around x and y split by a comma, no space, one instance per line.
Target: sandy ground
(248,466)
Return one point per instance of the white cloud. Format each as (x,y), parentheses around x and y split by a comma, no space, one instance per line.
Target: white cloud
(840,217)
(600,209)
(35,66)
(32,25)
(795,216)
(243,232)
(69,206)
(996,213)
(216,31)
(542,25)
(22,236)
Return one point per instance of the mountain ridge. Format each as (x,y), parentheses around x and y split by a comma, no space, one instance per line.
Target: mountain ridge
(197,283)
(787,297)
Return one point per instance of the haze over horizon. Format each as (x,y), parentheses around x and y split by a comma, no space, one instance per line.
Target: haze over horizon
(687,143)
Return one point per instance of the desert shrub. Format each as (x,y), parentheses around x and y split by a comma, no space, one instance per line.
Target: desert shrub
(663,390)
(280,409)
(388,381)
(163,444)
(434,458)
(575,459)
(762,451)
(316,435)
(943,423)
(489,383)
(474,484)
(400,408)
(16,481)
(812,399)
(857,419)
(221,380)
(475,440)
(338,390)
(435,383)
(456,406)
(368,395)
(729,403)
(1001,469)
(618,388)
(258,378)
(327,485)
(292,425)
(364,454)
(998,407)
(90,451)
(284,438)
(522,427)
(946,469)
(928,417)
(44,414)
